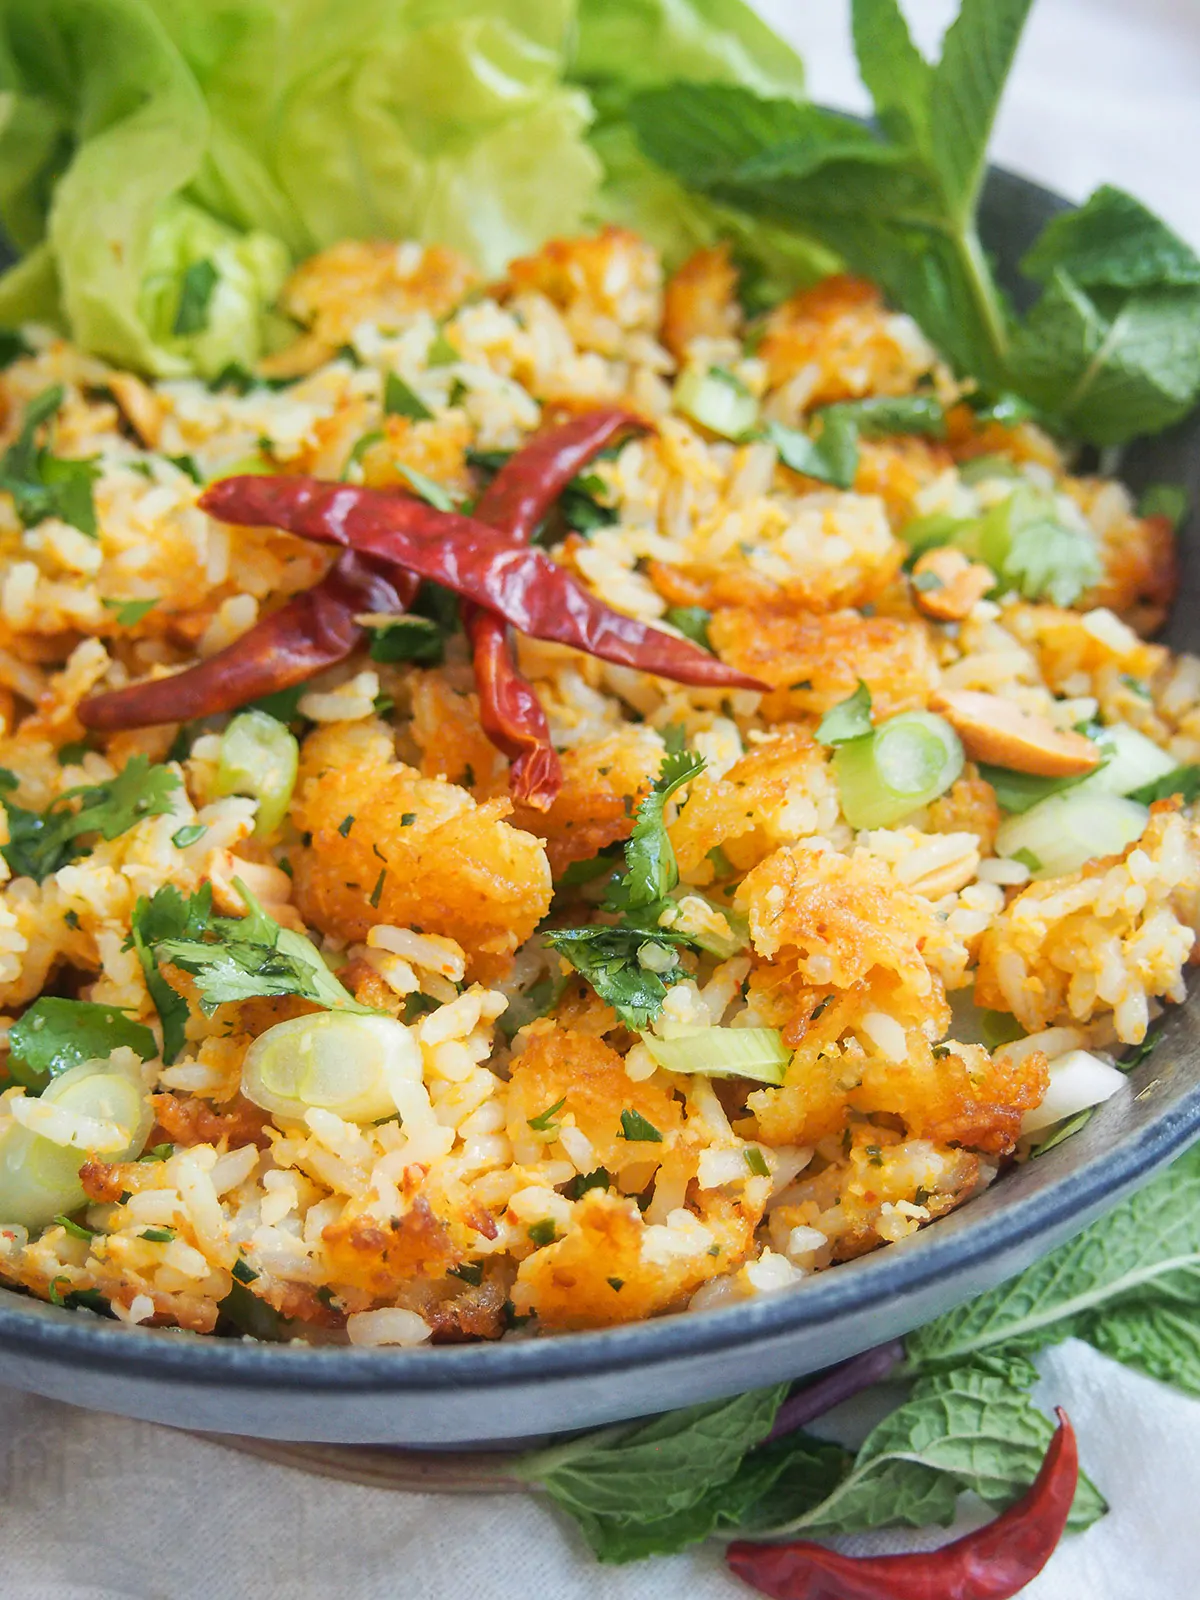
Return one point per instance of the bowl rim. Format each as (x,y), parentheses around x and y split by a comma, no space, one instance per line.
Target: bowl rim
(1063,1204)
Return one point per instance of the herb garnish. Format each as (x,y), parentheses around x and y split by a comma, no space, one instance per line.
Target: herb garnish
(42,841)
(54,1034)
(42,484)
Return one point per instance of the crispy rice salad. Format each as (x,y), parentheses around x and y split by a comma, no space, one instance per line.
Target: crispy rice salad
(372,971)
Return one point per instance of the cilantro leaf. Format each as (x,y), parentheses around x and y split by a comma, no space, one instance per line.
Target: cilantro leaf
(401,401)
(610,959)
(849,719)
(53,1035)
(240,958)
(830,455)
(42,484)
(168,916)
(651,870)
(692,622)
(130,612)
(41,842)
(409,638)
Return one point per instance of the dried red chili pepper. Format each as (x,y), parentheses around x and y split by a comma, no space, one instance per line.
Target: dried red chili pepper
(514,503)
(312,630)
(524,585)
(993,1563)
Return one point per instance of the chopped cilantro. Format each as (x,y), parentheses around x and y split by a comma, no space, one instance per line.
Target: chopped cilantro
(469,1271)
(692,622)
(635,1128)
(187,465)
(42,841)
(631,964)
(54,1034)
(583,1181)
(615,1284)
(131,612)
(12,347)
(543,1232)
(242,1272)
(157,1235)
(849,719)
(345,825)
(42,484)
(77,1230)
(168,916)
(544,1121)
(400,401)
(407,818)
(441,352)
(70,755)
(409,638)
(158,1152)
(238,958)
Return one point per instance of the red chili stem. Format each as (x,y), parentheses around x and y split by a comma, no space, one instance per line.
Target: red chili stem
(312,630)
(525,586)
(840,1383)
(993,1563)
(514,503)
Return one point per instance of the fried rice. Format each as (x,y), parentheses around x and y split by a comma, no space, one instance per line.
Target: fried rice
(514,1185)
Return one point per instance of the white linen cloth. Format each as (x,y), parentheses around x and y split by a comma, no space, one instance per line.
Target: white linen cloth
(97,1508)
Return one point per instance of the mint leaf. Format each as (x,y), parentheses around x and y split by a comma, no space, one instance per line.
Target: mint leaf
(240,958)
(1182,781)
(624,1479)
(849,719)
(168,916)
(41,842)
(894,72)
(1161,1342)
(881,415)
(692,622)
(1107,365)
(977,53)
(1113,242)
(973,1428)
(53,1035)
(1148,1246)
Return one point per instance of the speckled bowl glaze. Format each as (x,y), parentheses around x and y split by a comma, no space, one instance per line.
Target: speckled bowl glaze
(486,1394)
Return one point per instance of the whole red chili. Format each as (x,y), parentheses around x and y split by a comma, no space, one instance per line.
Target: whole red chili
(514,503)
(524,585)
(994,1563)
(312,630)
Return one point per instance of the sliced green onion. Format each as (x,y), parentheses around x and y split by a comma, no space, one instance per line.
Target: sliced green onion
(757,1053)
(1078,1081)
(907,762)
(1064,832)
(1133,761)
(39,1178)
(259,758)
(331,1061)
(717,400)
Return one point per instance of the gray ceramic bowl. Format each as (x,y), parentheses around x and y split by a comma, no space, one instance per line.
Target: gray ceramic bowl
(488,1393)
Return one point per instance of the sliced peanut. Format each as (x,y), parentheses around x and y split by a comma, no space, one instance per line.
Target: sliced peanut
(946,584)
(140,406)
(995,730)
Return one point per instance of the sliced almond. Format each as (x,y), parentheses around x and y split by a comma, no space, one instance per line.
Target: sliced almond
(997,731)
(946,584)
(140,406)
